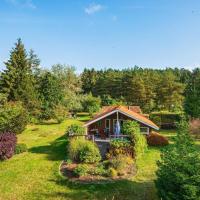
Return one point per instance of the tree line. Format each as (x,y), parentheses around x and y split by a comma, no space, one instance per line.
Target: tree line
(51,93)
(152,89)
(44,93)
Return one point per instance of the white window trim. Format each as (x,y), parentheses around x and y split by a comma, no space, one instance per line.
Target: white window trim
(109,125)
(145,133)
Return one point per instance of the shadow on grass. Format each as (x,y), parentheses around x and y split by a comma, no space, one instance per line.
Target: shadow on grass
(118,190)
(55,151)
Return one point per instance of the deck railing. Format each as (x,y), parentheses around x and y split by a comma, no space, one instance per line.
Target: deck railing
(119,136)
(93,139)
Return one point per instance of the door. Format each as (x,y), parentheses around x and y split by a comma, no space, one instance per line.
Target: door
(107,127)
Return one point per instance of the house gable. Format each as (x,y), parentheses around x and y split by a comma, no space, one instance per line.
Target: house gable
(123,110)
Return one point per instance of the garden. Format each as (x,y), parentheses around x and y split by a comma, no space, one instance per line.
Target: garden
(85,163)
(35,173)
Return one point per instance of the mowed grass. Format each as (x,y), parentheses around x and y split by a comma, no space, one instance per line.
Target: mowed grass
(35,175)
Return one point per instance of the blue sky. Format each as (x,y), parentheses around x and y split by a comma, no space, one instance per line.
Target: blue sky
(107,33)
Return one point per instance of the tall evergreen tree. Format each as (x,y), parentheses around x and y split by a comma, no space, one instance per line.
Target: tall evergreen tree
(169,92)
(50,93)
(89,78)
(179,169)
(17,80)
(192,92)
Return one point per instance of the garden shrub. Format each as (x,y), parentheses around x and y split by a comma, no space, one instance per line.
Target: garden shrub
(138,140)
(8,142)
(20,148)
(75,129)
(85,151)
(81,170)
(89,153)
(60,113)
(13,118)
(112,172)
(120,163)
(99,170)
(119,146)
(120,143)
(75,145)
(156,139)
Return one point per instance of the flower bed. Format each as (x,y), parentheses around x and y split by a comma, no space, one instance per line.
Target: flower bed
(109,170)
(85,163)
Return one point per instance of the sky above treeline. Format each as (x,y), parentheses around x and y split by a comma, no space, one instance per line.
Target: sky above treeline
(102,34)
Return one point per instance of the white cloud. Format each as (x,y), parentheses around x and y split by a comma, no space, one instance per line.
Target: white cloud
(93,8)
(22,3)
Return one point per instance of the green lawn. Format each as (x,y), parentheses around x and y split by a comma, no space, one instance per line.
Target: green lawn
(35,175)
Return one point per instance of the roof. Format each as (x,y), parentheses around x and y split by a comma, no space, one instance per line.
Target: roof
(136,109)
(134,113)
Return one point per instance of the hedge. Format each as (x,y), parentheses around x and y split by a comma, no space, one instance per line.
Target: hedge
(166,120)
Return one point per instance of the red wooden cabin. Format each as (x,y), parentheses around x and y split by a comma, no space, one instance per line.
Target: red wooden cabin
(102,125)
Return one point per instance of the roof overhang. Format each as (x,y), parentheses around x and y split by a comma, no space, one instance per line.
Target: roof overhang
(124,113)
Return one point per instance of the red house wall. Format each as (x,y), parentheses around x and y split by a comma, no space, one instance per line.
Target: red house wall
(100,125)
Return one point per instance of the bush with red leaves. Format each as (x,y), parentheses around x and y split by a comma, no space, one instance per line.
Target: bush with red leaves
(7,145)
(156,139)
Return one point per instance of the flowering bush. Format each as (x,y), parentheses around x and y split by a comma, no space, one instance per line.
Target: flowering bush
(7,145)
(156,139)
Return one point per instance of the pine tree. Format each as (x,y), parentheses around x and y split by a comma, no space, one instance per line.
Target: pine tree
(170,92)
(192,92)
(179,169)
(17,80)
(50,93)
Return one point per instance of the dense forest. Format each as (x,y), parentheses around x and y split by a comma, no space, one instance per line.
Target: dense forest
(51,93)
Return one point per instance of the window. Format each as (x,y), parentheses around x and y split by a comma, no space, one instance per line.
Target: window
(144,130)
(99,123)
(107,125)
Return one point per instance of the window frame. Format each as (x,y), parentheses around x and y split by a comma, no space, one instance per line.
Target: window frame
(106,124)
(144,133)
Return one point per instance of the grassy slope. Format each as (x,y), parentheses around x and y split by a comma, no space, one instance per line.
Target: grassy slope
(34,175)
